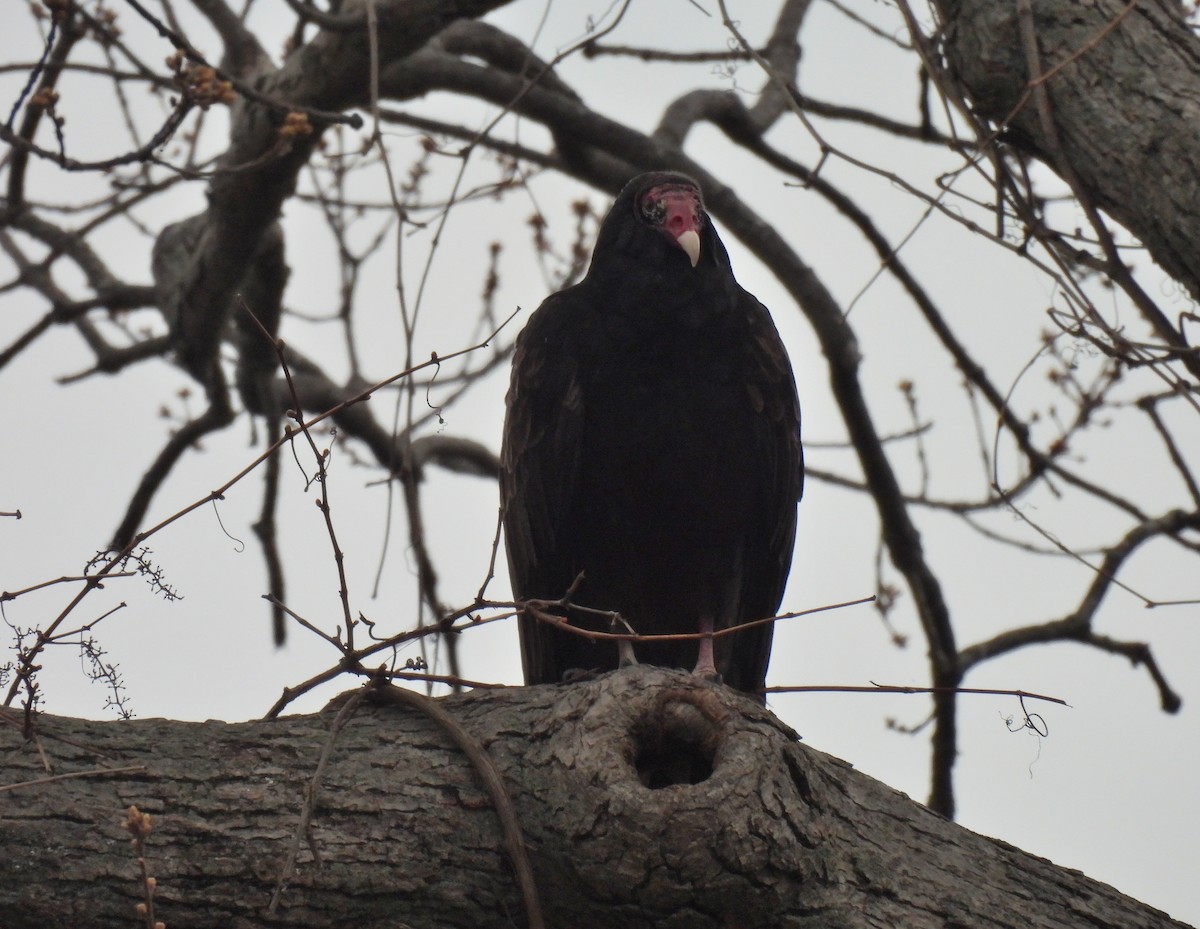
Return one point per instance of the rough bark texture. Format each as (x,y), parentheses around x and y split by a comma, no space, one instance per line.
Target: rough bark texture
(777,835)
(1126,107)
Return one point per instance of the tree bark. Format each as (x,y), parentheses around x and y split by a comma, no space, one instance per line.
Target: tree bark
(1124,88)
(646,798)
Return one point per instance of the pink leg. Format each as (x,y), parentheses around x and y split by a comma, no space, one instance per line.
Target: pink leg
(705,665)
(625,656)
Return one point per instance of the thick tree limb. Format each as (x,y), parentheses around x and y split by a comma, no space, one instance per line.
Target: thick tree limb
(258,170)
(1126,106)
(740,824)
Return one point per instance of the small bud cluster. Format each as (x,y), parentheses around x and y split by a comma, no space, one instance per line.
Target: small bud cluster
(137,824)
(59,9)
(201,84)
(295,125)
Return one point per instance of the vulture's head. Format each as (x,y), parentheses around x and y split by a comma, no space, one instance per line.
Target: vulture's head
(659,218)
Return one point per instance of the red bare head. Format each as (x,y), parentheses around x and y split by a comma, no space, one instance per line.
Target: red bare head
(674,208)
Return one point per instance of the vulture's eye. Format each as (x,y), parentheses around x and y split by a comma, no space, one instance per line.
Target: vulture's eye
(654,211)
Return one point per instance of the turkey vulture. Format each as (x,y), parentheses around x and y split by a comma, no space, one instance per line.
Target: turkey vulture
(652,443)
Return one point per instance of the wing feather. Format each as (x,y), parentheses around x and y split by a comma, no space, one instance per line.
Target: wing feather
(540,469)
(782,474)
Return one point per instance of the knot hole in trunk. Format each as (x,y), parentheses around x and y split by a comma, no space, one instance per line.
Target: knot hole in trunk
(676,741)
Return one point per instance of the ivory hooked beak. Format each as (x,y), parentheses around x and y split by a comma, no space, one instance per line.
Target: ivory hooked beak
(689,241)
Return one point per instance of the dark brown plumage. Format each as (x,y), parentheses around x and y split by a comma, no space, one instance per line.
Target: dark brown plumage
(652,442)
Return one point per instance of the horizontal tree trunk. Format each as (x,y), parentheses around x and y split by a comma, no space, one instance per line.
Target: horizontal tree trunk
(646,798)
